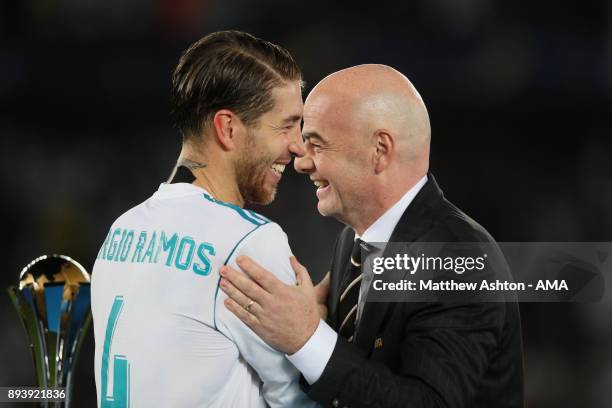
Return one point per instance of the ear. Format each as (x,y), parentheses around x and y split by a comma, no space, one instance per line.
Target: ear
(385,149)
(225,125)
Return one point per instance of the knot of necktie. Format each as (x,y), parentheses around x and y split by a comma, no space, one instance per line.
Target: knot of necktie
(360,248)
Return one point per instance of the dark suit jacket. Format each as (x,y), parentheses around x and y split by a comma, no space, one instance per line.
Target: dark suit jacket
(434,354)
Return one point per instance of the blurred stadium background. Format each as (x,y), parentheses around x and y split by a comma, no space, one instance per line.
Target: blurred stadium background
(519,94)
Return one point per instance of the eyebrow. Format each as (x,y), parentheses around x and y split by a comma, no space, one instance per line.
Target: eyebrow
(312,135)
(292,119)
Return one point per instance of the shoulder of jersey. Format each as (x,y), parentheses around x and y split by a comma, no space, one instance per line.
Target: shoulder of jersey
(128,215)
(247,216)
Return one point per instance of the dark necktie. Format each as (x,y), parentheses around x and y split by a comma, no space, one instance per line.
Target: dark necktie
(349,295)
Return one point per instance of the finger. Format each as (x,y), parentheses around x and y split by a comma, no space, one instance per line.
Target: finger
(240,297)
(322,288)
(263,277)
(301,273)
(242,283)
(247,318)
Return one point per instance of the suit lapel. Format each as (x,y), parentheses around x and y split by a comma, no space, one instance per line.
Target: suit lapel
(338,273)
(416,221)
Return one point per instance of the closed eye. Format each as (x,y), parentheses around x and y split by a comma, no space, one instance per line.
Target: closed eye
(311,145)
(312,140)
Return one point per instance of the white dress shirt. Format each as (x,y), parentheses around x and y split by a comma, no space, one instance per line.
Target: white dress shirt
(312,358)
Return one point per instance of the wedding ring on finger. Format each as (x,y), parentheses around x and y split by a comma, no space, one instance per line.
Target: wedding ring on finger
(247,307)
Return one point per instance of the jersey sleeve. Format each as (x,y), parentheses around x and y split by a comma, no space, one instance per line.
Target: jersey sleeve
(268,246)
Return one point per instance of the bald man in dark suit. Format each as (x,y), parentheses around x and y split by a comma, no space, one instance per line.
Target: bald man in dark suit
(366,148)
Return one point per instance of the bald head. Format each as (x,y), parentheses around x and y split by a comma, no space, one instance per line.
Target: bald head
(375,97)
(366,142)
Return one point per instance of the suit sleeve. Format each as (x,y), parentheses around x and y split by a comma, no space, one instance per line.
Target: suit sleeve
(443,353)
(268,246)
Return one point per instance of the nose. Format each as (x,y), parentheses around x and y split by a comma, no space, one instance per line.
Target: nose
(296,148)
(303,163)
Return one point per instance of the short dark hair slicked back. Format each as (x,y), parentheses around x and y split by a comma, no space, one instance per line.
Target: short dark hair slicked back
(228,70)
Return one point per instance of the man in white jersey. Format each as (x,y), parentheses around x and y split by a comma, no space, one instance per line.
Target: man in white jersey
(163,337)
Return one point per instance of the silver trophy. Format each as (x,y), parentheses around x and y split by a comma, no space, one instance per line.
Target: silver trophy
(53,299)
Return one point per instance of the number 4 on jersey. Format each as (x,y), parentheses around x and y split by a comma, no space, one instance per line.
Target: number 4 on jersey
(119,398)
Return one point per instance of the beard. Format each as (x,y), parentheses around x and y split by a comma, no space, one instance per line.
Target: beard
(251,171)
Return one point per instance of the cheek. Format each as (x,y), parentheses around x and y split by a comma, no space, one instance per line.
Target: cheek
(281,141)
(339,169)
(267,152)
(350,180)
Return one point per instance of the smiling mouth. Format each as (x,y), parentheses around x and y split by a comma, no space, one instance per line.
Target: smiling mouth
(320,184)
(278,168)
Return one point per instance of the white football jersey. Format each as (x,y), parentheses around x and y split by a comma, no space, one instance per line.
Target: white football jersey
(163,335)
